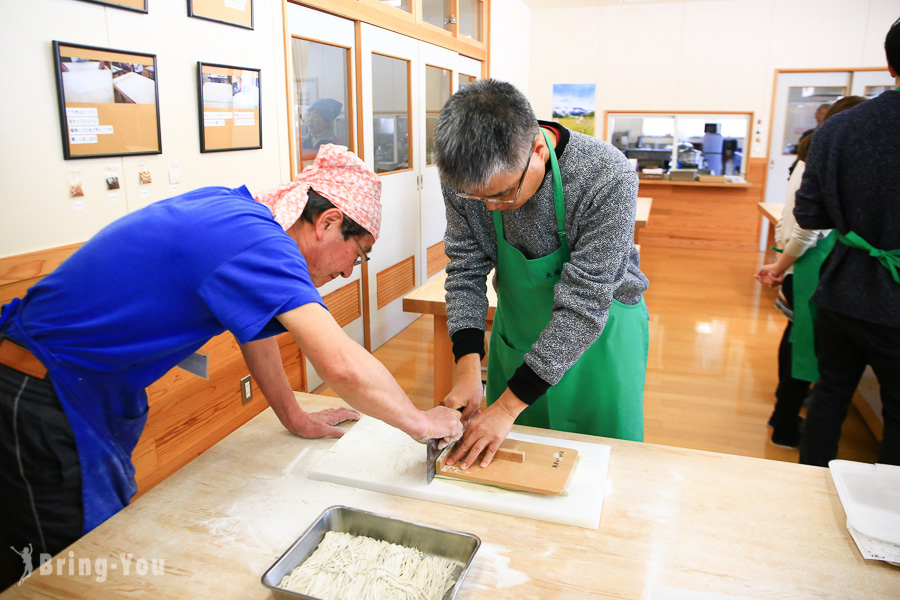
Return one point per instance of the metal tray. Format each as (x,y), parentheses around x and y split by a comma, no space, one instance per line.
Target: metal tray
(457,546)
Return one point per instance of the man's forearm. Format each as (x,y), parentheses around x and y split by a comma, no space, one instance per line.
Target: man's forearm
(263,359)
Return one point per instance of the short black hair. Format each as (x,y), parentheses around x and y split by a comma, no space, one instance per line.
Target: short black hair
(485,128)
(892,47)
(317,204)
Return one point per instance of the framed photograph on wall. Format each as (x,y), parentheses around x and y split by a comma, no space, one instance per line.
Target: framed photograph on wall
(231,12)
(108,101)
(230,113)
(135,5)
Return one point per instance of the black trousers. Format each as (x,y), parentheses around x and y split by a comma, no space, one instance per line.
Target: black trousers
(791,392)
(40,475)
(844,346)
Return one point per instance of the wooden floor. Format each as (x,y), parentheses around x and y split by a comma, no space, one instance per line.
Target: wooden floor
(712,369)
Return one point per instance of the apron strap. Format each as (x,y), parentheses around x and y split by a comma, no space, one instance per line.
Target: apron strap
(558,201)
(890,259)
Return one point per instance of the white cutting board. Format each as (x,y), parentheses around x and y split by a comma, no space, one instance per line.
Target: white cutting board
(375,456)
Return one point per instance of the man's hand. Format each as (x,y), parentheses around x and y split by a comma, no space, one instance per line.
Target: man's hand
(322,423)
(770,275)
(466,395)
(440,422)
(486,431)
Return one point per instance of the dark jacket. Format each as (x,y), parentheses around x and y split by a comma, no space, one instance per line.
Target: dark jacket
(852,183)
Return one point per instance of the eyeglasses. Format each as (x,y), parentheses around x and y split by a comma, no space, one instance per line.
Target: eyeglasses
(467,196)
(360,259)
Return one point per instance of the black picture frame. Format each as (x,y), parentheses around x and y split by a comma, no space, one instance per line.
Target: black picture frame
(120,4)
(104,104)
(220,15)
(230,131)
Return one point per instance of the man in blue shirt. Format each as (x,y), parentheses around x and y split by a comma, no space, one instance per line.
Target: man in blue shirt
(78,351)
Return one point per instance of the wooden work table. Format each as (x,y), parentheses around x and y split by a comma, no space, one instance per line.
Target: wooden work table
(671,518)
(770,212)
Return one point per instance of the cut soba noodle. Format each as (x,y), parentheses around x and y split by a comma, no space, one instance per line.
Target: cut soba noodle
(346,566)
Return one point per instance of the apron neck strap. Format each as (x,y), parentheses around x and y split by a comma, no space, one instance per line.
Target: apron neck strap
(558,203)
(558,200)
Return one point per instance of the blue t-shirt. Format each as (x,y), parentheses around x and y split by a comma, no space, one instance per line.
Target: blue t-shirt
(138,298)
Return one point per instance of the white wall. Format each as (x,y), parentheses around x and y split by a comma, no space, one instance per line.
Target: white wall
(511,40)
(36,211)
(685,56)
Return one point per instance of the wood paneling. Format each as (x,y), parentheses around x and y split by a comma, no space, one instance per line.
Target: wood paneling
(188,415)
(344,303)
(20,272)
(710,217)
(436,259)
(396,280)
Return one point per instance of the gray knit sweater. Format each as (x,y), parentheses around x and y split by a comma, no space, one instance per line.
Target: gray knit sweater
(600,190)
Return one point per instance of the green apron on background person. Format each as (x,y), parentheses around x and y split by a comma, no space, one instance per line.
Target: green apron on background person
(806,279)
(602,394)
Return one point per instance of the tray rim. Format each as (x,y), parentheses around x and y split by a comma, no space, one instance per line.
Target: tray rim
(451,593)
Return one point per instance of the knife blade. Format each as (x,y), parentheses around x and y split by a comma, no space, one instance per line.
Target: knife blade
(431,458)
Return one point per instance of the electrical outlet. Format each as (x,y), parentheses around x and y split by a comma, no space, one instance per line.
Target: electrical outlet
(246,390)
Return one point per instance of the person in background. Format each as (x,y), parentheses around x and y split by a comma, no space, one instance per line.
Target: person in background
(852,184)
(144,294)
(791,391)
(319,128)
(807,248)
(820,115)
(553,211)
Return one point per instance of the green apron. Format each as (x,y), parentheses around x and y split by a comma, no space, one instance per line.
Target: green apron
(806,279)
(602,394)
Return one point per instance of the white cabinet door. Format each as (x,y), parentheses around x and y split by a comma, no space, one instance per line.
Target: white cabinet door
(390,81)
(797,95)
(437,72)
(871,83)
(322,56)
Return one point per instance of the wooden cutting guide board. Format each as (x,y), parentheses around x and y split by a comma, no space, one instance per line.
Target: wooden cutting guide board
(375,456)
(544,470)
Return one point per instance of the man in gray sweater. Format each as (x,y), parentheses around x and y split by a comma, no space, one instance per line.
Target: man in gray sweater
(852,184)
(553,211)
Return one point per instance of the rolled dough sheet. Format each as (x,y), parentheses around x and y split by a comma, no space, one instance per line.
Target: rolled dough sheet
(375,456)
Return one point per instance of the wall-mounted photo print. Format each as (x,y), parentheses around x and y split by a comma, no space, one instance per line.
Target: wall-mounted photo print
(108,101)
(575,105)
(231,12)
(230,115)
(135,5)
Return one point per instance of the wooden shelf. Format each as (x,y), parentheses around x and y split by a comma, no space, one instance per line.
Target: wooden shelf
(695,183)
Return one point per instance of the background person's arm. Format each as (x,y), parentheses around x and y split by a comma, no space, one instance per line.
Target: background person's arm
(360,379)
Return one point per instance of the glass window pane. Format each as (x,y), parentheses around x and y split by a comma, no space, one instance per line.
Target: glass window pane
(801,112)
(320,98)
(876,90)
(401,4)
(713,144)
(471,16)
(465,80)
(390,113)
(437,13)
(437,91)
(649,140)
